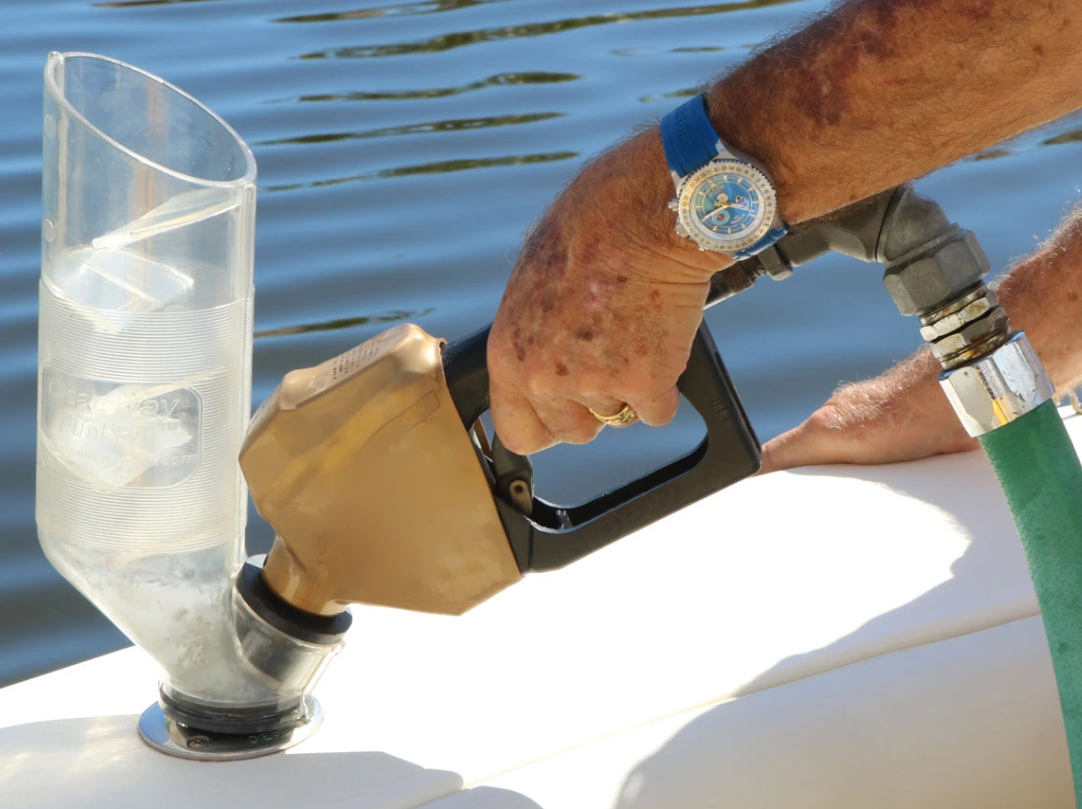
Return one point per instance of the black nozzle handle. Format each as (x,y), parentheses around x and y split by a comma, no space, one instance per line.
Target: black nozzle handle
(553,536)
(465,365)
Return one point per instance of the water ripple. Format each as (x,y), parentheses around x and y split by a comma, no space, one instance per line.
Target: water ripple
(432,7)
(431,127)
(439,167)
(507,79)
(134,3)
(345,323)
(446,42)
(1070,136)
(357,246)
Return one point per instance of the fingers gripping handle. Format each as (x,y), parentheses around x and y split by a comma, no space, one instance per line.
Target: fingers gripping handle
(553,535)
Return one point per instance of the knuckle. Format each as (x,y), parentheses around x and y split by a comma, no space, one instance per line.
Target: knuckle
(524,442)
(572,424)
(536,383)
(517,445)
(644,388)
(582,434)
(663,417)
(542,380)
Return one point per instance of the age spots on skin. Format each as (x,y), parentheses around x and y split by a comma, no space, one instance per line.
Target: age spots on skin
(561,369)
(516,343)
(1072,297)
(978,12)
(585,335)
(818,86)
(887,11)
(841,42)
(590,252)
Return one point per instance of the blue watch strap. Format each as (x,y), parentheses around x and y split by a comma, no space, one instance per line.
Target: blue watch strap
(688,137)
(769,239)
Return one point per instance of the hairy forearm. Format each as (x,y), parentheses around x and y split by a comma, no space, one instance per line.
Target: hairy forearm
(1043,297)
(879,92)
(874,94)
(903,414)
(603,303)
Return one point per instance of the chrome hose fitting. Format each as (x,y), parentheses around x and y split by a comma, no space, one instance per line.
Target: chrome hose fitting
(998,388)
(990,375)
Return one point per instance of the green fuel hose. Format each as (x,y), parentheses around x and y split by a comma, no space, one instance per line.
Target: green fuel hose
(1041,478)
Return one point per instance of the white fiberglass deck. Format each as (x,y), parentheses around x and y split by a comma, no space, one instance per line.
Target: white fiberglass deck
(832,638)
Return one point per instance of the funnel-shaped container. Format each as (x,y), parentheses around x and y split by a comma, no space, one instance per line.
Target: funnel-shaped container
(145,364)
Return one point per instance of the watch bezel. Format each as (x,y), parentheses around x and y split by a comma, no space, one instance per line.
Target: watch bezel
(722,165)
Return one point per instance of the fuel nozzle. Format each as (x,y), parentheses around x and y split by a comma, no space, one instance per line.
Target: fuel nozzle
(373,471)
(376,494)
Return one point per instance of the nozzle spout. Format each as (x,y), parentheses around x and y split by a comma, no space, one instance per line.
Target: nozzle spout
(288,646)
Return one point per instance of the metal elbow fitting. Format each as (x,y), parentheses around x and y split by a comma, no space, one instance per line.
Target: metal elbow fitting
(927,261)
(932,269)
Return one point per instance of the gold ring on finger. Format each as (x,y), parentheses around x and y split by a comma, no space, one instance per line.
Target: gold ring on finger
(622,419)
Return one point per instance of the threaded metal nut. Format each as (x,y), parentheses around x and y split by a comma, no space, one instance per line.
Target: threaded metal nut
(974,339)
(929,281)
(957,320)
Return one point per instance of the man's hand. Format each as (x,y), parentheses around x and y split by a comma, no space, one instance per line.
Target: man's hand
(601,308)
(838,112)
(900,416)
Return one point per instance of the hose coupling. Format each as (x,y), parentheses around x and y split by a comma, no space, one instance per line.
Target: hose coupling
(998,388)
(968,327)
(991,375)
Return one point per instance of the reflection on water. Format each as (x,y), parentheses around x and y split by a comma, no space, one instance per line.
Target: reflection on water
(445,42)
(441,167)
(133,3)
(991,154)
(529,77)
(686,92)
(1071,136)
(387,318)
(384,11)
(418,129)
(401,189)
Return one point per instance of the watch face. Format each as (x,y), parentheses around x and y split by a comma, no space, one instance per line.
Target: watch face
(727,205)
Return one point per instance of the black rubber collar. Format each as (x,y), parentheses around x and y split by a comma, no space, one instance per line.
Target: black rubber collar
(323,629)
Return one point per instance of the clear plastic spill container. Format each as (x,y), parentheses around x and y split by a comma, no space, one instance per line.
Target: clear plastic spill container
(145,362)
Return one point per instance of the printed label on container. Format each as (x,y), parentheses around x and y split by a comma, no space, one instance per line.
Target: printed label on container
(121,434)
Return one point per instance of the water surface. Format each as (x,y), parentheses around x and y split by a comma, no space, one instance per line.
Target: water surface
(403,149)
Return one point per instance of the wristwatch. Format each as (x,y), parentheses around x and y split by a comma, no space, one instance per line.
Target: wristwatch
(725,200)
